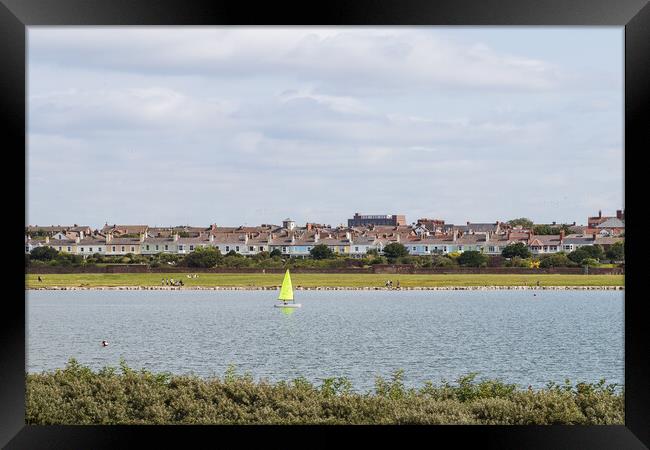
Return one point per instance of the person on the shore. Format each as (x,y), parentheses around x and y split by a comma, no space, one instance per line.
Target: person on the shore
(538,283)
(40,280)
(397,284)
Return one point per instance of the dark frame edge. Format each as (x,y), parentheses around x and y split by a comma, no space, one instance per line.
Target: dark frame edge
(13,22)
(637,95)
(12,332)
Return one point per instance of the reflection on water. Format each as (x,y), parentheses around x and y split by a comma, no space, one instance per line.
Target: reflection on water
(511,335)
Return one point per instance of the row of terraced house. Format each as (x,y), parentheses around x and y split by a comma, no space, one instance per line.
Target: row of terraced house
(425,237)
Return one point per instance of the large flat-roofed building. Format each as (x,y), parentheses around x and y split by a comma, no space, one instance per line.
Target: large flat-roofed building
(364,220)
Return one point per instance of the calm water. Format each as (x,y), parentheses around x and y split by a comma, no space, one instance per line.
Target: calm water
(511,335)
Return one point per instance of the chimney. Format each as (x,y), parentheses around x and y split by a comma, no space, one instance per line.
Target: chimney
(47,239)
(211,237)
(213,227)
(309,226)
(76,239)
(619,214)
(81,234)
(176,237)
(348,236)
(554,222)
(600,214)
(109,236)
(142,236)
(454,235)
(561,236)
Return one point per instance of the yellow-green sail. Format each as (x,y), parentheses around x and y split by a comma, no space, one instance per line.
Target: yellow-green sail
(286,291)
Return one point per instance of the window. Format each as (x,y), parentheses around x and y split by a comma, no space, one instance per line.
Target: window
(82,249)
(460,248)
(132,248)
(284,249)
(491,248)
(237,248)
(227,248)
(113,248)
(59,248)
(191,247)
(414,248)
(69,249)
(89,249)
(251,249)
(426,248)
(99,249)
(122,248)
(180,248)
(166,247)
(147,247)
(27,249)
(342,249)
(356,249)
(156,247)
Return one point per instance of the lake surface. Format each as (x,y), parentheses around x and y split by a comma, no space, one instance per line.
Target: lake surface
(513,335)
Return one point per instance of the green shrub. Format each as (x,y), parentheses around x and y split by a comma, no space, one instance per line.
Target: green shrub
(78,395)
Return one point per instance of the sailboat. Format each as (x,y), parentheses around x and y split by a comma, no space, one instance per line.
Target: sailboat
(286,294)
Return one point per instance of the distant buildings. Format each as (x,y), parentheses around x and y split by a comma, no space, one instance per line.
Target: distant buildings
(364,233)
(365,220)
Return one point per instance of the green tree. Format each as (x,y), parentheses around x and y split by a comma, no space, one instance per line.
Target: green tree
(578,255)
(523,221)
(395,250)
(203,257)
(591,262)
(595,251)
(44,253)
(555,260)
(321,251)
(275,252)
(517,249)
(616,252)
(372,252)
(545,230)
(472,258)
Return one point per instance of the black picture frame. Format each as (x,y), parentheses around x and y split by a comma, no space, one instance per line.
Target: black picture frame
(634,15)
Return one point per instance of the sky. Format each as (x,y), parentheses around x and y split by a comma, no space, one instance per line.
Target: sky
(251,125)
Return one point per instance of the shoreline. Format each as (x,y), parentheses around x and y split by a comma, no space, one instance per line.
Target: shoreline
(322,288)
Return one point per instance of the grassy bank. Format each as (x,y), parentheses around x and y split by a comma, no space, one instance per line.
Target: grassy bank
(320,280)
(78,395)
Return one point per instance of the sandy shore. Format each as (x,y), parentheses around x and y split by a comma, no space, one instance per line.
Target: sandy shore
(329,288)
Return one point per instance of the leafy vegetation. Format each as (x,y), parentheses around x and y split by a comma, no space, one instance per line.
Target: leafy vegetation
(395,250)
(518,249)
(523,221)
(321,251)
(79,395)
(472,258)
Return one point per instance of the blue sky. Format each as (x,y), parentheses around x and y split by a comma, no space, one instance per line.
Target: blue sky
(249,125)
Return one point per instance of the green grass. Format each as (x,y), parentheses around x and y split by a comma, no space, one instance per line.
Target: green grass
(320,280)
(78,395)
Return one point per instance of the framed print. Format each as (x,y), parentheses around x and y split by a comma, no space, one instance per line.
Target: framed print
(319,216)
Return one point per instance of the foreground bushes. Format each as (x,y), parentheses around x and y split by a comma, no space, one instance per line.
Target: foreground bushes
(78,395)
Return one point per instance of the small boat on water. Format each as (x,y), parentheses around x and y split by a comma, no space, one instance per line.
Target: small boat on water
(286,294)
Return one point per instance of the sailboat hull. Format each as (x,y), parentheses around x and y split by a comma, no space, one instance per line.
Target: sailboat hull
(288,305)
